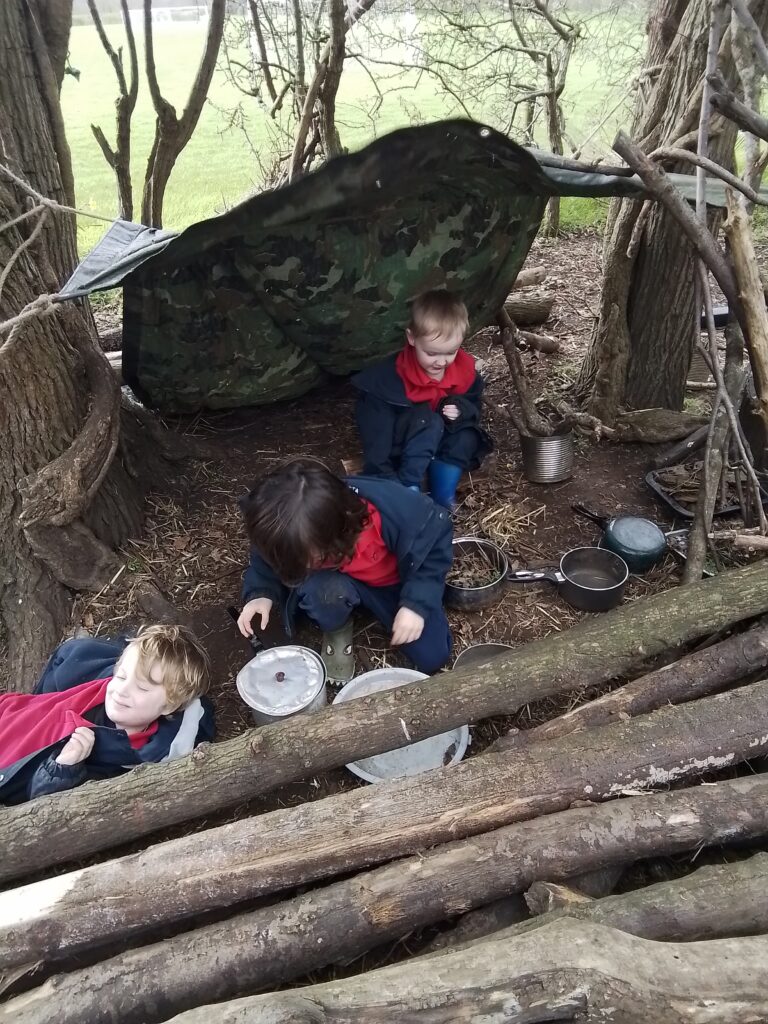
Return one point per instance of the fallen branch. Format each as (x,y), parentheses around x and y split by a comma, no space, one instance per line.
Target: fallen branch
(539,342)
(68,826)
(566,970)
(277,943)
(697,675)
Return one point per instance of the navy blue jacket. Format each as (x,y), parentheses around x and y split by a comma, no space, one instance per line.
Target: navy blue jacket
(413,527)
(394,430)
(75,662)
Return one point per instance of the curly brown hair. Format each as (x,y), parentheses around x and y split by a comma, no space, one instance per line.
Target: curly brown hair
(301,516)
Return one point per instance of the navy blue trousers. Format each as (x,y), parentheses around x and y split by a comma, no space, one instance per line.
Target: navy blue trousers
(329,597)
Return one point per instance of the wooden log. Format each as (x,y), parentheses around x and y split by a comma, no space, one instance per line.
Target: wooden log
(544,897)
(565,970)
(681,451)
(259,856)
(540,342)
(69,826)
(697,675)
(480,923)
(528,277)
(273,944)
(713,902)
(530,306)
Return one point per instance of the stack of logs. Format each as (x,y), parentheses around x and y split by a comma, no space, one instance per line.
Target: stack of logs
(223,913)
(529,304)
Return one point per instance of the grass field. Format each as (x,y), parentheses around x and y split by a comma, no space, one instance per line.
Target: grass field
(218,166)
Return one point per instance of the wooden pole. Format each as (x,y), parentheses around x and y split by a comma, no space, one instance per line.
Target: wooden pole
(566,970)
(750,289)
(69,826)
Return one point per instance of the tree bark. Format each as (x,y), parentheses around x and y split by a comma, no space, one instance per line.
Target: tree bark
(641,349)
(258,856)
(697,675)
(565,970)
(68,826)
(64,499)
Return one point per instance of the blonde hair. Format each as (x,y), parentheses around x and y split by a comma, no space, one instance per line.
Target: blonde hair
(438,312)
(183,662)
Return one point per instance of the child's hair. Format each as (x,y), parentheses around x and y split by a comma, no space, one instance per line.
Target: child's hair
(300,516)
(183,661)
(438,312)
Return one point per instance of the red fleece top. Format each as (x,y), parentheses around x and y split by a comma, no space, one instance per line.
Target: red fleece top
(372,562)
(420,387)
(32,721)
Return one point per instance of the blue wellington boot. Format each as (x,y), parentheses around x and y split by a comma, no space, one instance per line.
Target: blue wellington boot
(443,481)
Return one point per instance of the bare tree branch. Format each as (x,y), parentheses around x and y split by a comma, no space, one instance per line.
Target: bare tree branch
(119,158)
(727,102)
(264,65)
(172,133)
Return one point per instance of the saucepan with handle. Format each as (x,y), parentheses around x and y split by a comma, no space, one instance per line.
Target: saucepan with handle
(640,542)
(591,579)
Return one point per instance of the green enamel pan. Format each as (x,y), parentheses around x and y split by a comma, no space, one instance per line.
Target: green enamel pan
(640,542)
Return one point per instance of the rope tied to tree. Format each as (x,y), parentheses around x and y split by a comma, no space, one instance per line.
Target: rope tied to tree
(42,306)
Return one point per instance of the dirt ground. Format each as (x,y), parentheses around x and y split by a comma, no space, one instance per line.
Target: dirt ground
(196,549)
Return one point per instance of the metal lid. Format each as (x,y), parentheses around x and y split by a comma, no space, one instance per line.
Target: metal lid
(281,680)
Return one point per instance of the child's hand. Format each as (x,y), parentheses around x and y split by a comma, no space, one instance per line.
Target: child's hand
(451,412)
(407,627)
(259,606)
(78,746)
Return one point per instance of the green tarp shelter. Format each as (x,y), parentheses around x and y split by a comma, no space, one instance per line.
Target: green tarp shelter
(262,302)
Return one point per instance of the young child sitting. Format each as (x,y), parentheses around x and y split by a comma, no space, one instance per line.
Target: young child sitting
(100,708)
(325,546)
(419,410)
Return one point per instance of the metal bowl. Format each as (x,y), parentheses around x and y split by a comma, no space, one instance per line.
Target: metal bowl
(478,654)
(477,597)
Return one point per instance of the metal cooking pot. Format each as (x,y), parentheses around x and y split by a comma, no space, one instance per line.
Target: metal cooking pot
(472,598)
(591,579)
(282,681)
(640,542)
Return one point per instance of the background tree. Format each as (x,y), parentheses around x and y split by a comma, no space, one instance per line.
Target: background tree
(649,311)
(70,490)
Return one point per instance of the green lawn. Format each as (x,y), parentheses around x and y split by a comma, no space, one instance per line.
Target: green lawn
(218,167)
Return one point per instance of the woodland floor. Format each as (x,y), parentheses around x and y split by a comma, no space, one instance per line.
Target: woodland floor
(195,547)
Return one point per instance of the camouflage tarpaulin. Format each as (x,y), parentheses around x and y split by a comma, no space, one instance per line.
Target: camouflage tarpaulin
(260,303)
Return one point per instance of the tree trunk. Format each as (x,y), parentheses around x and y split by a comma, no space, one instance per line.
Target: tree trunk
(566,970)
(53,830)
(58,416)
(258,856)
(697,675)
(643,341)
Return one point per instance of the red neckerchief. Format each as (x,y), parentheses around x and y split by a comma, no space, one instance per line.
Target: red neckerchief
(32,721)
(372,562)
(419,387)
